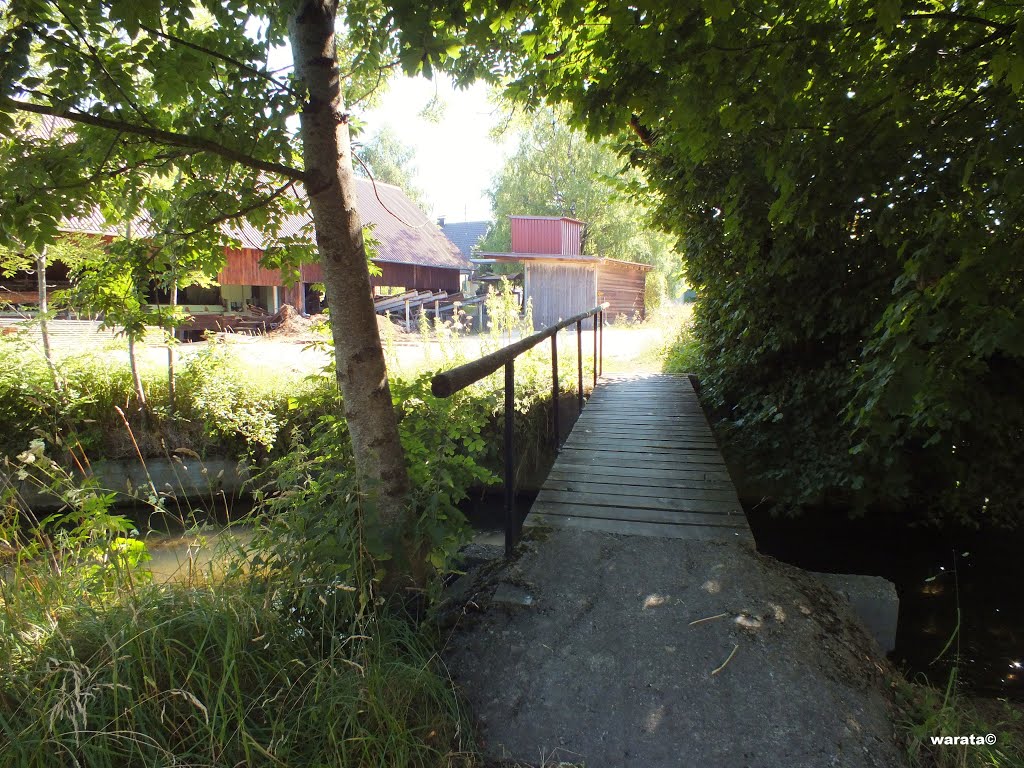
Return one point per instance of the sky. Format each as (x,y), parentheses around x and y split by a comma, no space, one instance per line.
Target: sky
(456,159)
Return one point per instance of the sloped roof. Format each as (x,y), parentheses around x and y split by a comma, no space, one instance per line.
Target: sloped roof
(546,218)
(406,234)
(466,234)
(579,258)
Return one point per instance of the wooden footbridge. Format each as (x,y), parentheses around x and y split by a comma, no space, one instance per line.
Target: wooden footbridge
(641,459)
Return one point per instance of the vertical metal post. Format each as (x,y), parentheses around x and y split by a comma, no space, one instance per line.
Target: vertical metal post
(511,523)
(600,356)
(555,387)
(595,350)
(579,359)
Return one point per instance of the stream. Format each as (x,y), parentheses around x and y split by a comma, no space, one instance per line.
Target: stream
(960,595)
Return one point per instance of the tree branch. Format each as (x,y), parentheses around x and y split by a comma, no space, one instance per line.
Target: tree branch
(94,52)
(223,218)
(158,136)
(225,58)
(1003,27)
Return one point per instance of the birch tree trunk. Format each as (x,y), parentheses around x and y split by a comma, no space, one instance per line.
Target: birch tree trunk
(171,384)
(44,330)
(362,373)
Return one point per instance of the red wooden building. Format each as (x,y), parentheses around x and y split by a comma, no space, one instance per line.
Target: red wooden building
(413,254)
(561,280)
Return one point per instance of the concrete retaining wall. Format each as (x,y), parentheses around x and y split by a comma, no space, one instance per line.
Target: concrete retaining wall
(180,478)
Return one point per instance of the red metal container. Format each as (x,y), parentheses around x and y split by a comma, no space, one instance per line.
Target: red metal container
(546,235)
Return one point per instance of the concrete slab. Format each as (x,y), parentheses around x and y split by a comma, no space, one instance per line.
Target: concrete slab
(873,599)
(670,652)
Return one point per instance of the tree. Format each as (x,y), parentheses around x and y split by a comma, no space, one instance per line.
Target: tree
(15,261)
(846,179)
(386,158)
(557,171)
(183,88)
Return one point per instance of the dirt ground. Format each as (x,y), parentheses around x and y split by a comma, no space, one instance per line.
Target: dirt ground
(626,349)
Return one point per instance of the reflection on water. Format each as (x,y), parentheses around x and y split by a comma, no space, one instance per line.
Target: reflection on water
(195,555)
(965,587)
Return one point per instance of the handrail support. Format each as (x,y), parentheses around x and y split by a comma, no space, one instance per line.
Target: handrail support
(511,523)
(449,382)
(555,391)
(579,362)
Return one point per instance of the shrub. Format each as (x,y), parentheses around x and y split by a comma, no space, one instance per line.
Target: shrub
(655,291)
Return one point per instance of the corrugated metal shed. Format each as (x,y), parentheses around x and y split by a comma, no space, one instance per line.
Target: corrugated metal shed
(546,234)
(562,285)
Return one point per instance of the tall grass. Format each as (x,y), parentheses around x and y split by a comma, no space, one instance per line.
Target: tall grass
(682,352)
(223,675)
(927,711)
(221,406)
(265,664)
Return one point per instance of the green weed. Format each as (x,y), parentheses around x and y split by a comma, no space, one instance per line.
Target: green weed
(928,712)
(682,353)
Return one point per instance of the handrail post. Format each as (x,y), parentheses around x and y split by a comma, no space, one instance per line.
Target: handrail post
(511,524)
(600,356)
(555,387)
(595,350)
(579,360)
(449,382)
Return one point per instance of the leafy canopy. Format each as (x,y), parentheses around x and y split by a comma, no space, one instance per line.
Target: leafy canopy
(178,95)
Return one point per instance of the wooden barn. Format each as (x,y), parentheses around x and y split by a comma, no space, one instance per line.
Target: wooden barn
(412,254)
(560,280)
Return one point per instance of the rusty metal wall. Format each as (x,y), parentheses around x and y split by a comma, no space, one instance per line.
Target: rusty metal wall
(242,268)
(572,237)
(533,235)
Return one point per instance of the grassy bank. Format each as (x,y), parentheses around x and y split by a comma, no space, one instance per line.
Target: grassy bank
(223,674)
(244,395)
(926,713)
(287,656)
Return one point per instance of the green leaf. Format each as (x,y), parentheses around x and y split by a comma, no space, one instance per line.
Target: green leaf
(888,13)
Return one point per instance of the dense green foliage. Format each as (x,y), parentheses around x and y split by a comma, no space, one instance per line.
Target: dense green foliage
(682,353)
(846,178)
(222,409)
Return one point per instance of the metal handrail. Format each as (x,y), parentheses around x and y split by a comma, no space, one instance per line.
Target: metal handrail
(449,382)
